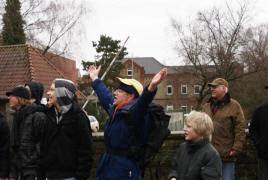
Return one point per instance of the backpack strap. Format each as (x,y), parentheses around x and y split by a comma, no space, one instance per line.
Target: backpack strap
(134,150)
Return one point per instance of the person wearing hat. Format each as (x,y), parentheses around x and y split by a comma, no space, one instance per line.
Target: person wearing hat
(229,125)
(36,90)
(259,135)
(28,121)
(67,146)
(129,94)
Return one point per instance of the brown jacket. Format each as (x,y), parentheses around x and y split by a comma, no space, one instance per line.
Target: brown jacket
(229,128)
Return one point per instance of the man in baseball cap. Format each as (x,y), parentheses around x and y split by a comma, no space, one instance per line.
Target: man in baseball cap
(229,125)
(218,81)
(129,96)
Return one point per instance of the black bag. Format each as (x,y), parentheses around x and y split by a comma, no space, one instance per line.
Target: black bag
(158,132)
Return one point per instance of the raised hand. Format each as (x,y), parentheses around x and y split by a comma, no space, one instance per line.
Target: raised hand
(93,72)
(157,79)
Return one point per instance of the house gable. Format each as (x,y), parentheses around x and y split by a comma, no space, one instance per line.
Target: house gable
(20,64)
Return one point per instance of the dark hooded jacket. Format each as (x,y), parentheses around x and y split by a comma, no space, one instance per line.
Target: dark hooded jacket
(37,90)
(27,129)
(4,147)
(67,147)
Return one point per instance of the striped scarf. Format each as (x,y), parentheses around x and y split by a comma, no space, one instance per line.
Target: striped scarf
(65,93)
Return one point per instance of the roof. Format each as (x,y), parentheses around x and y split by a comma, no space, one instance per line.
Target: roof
(20,64)
(150,64)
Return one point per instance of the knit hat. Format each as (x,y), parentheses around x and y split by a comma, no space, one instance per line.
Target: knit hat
(37,90)
(129,84)
(19,91)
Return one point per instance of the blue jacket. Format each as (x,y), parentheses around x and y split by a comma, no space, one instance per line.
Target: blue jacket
(117,133)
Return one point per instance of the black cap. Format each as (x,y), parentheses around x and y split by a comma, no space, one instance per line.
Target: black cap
(19,91)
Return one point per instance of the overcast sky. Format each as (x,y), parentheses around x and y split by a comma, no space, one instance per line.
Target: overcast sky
(147,22)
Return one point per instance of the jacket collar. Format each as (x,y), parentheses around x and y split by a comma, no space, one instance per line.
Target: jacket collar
(225,100)
(194,146)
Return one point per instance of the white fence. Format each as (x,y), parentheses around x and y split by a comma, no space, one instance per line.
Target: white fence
(176,122)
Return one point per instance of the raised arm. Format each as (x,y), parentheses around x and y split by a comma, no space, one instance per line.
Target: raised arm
(105,96)
(157,79)
(148,94)
(94,72)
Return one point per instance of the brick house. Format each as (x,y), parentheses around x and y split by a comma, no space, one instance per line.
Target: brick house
(178,91)
(20,64)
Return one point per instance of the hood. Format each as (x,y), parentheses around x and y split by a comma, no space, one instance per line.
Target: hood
(37,90)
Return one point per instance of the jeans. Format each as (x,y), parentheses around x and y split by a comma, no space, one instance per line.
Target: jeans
(228,170)
(27,177)
(263,169)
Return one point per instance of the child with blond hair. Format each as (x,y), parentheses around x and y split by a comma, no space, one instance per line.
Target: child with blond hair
(196,158)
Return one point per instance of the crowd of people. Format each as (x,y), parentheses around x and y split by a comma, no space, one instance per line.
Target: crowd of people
(54,141)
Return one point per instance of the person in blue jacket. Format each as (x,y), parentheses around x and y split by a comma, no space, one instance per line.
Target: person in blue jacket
(129,94)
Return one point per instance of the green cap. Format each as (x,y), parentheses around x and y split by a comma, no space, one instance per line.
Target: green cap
(218,81)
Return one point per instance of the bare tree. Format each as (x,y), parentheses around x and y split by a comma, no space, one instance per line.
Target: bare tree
(53,23)
(213,45)
(57,21)
(250,89)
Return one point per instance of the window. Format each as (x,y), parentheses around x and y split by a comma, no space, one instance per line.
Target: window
(169,90)
(183,89)
(169,107)
(129,72)
(196,89)
(184,108)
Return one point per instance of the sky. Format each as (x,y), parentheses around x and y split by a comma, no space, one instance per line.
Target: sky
(148,24)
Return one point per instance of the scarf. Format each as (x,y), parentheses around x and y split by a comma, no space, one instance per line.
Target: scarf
(216,104)
(120,105)
(65,92)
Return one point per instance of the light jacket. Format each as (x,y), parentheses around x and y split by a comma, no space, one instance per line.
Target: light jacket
(229,128)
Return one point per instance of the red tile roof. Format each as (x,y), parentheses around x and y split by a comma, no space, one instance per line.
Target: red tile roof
(20,64)
(1,40)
